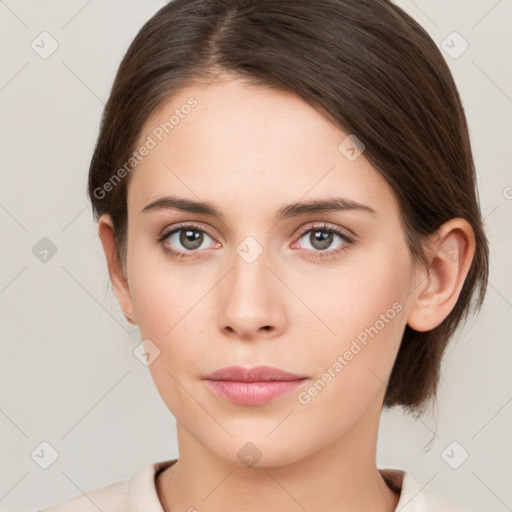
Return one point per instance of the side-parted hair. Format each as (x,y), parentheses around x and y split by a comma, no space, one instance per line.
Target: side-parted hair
(368,68)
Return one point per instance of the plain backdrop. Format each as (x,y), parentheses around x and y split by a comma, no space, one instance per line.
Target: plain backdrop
(71,387)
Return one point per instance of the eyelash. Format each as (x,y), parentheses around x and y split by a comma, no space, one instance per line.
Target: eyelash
(319,254)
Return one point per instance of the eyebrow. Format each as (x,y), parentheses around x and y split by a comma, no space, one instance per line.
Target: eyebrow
(330,204)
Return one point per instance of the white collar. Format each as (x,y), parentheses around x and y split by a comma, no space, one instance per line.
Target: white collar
(414,497)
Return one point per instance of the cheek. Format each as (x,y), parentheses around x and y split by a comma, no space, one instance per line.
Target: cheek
(162,293)
(364,307)
(171,306)
(354,296)
(169,318)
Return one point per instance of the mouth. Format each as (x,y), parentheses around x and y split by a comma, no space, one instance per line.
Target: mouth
(256,374)
(252,386)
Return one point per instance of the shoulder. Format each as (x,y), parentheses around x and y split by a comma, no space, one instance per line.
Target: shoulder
(137,493)
(112,498)
(415,497)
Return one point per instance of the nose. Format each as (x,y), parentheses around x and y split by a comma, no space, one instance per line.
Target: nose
(251,300)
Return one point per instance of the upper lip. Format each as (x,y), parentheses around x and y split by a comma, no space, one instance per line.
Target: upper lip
(256,374)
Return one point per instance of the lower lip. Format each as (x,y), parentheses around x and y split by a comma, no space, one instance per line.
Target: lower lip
(252,393)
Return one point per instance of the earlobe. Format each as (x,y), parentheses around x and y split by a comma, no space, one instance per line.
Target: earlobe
(117,276)
(451,254)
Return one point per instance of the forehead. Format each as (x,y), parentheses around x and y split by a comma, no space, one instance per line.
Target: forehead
(242,145)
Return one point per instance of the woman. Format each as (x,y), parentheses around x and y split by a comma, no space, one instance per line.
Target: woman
(287,202)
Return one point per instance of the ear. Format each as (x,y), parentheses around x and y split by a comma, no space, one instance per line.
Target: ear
(119,280)
(450,255)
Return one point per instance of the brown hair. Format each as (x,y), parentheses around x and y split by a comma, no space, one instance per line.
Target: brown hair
(365,65)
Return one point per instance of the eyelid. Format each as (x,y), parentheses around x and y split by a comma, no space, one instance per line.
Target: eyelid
(167,232)
(348,233)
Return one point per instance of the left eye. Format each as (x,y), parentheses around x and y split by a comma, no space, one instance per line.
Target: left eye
(321,238)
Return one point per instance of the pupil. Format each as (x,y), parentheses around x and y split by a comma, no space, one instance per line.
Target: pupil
(191,239)
(322,239)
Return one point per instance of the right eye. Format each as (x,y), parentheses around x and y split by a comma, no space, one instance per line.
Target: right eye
(186,238)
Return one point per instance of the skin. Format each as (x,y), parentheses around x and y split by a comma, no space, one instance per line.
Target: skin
(249,151)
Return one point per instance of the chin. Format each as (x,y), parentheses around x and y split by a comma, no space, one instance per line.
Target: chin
(253,451)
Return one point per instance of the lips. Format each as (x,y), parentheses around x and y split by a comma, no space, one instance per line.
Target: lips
(252,386)
(256,374)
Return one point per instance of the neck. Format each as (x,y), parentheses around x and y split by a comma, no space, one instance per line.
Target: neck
(341,476)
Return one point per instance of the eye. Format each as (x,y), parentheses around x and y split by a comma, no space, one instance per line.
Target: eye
(322,237)
(187,238)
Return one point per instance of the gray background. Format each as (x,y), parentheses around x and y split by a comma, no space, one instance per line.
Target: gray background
(68,374)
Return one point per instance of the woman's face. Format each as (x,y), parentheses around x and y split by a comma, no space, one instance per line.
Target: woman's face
(251,287)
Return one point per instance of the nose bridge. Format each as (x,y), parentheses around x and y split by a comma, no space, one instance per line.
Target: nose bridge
(249,279)
(249,300)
